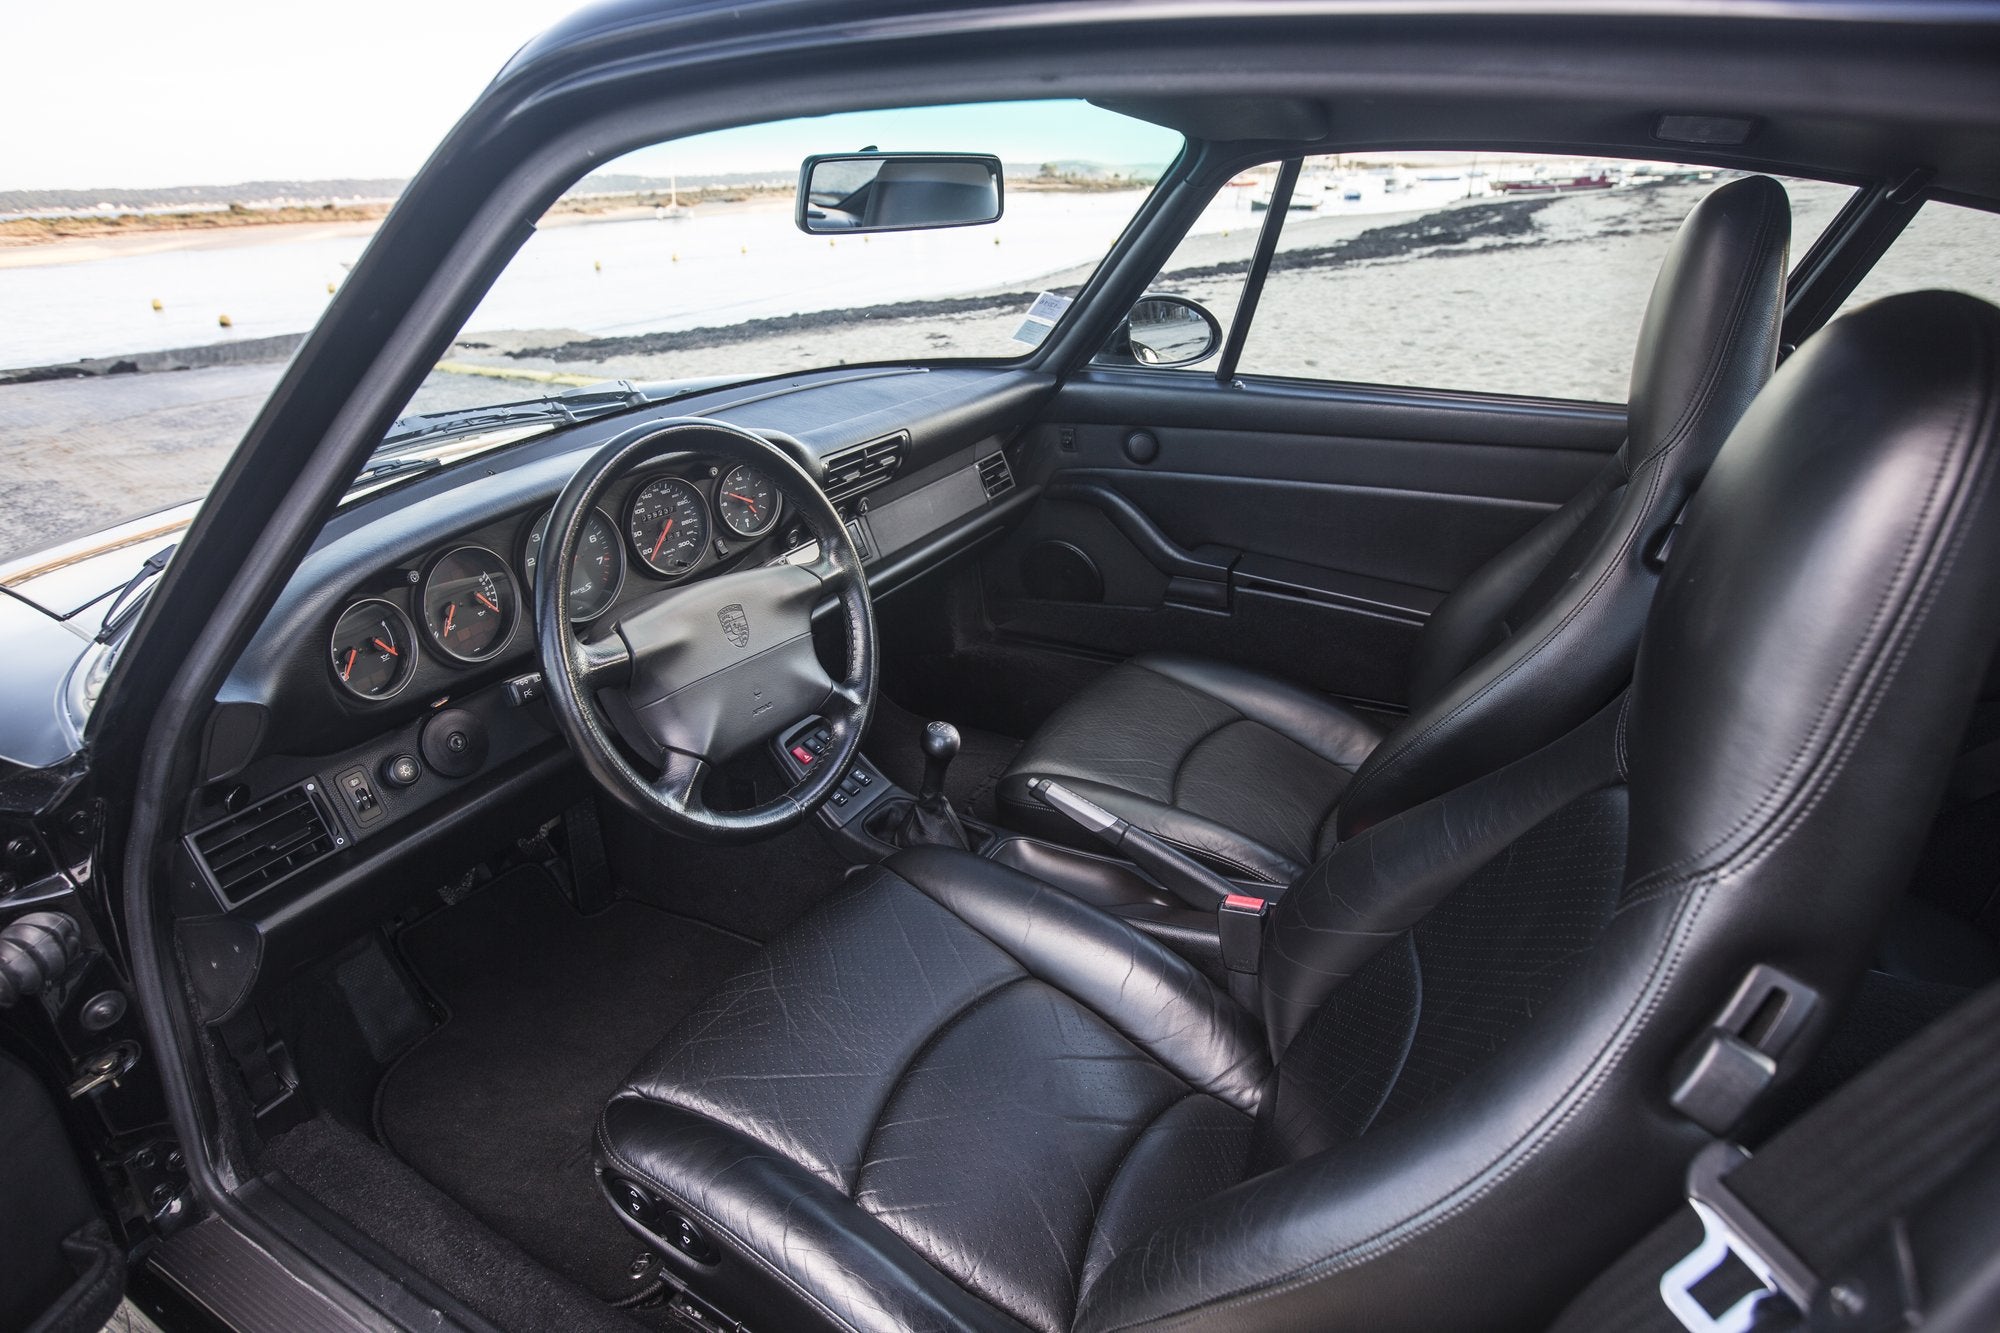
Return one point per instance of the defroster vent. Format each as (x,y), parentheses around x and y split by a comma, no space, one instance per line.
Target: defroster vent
(864,467)
(255,848)
(995,475)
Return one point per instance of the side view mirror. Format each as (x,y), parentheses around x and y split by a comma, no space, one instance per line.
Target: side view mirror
(854,192)
(1163,332)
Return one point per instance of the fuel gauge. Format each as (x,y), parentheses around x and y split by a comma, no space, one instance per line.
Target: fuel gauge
(374,651)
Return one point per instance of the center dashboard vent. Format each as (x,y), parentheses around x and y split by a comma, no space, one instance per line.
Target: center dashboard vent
(995,475)
(255,848)
(864,467)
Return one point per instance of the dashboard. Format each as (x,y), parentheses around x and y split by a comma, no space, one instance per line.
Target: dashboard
(387,719)
(468,601)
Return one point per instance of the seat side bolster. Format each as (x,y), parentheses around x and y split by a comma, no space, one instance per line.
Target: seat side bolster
(1153,997)
(796,1253)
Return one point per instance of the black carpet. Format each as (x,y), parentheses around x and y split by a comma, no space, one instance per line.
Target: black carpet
(895,743)
(548,1012)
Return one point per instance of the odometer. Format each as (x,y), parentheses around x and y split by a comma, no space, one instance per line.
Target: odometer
(747,501)
(668,524)
(599,567)
(374,652)
(469,603)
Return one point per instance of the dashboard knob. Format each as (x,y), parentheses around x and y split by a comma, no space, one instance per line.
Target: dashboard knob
(402,770)
(454,743)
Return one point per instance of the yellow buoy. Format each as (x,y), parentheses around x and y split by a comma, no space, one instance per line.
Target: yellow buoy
(597,264)
(675,256)
(743,250)
(829,242)
(329,289)
(225,321)
(158,304)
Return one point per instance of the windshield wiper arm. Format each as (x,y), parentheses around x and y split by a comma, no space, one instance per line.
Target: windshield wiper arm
(568,408)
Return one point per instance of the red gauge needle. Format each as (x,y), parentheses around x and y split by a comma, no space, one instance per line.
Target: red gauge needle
(387,648)
(449,612)
(348,670)
(744,498)
(491,605)
(654,554)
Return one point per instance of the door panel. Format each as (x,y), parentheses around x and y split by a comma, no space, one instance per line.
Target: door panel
(1306,529)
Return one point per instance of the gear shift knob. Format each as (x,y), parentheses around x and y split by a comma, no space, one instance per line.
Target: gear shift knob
(940,746)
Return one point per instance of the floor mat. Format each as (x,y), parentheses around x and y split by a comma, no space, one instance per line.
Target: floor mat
(895,743)
(549,1011)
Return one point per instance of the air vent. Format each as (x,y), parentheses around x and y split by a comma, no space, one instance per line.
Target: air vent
(995,475)
(864,467)
(250,851)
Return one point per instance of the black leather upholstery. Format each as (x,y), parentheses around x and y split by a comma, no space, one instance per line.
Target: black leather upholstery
(955,1098)
(1534,642)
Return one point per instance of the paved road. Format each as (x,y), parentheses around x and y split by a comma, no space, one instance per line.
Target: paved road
(76,455)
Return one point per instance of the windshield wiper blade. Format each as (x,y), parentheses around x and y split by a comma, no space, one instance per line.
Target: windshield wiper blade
(568,408)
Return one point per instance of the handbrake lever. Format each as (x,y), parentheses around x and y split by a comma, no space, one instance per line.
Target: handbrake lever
(1189,880)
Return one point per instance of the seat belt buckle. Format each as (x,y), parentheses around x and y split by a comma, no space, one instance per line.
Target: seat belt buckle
(1239,921)
(1730,1227)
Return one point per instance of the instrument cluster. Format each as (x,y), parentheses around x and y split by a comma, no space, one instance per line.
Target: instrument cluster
(466,602)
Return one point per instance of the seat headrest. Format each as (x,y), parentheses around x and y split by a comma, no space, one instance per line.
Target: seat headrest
(1719,295)
(1822,626)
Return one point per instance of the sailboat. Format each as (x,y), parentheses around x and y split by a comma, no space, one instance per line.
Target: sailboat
(673,210)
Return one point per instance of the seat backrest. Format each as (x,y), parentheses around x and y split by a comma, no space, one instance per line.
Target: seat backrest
(1542,635)
(1478,1004)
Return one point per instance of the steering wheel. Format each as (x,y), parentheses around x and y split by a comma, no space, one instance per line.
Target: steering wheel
(703,671)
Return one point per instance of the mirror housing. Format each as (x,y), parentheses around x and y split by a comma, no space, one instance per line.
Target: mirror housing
(859,192)
(1162,332)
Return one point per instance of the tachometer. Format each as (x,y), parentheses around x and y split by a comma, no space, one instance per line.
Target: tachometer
(469,603)
(599,567)
(374,652)
(668,524)
(747,501)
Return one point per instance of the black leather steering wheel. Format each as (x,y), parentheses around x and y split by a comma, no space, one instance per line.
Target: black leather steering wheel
(697,673)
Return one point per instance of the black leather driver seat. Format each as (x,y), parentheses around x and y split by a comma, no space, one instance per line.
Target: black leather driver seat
(953,1097)
(1260,777)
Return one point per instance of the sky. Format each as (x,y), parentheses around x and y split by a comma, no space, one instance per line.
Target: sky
(140,93)
(152,93)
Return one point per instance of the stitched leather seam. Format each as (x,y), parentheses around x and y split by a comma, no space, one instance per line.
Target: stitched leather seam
(1109,1180)
(1409,1037)
(924,1048)
(1673,439)
(1894,623)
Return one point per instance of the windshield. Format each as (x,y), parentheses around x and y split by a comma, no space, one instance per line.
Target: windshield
(681,264)
(674,267)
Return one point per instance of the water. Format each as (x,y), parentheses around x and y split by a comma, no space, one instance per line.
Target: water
(727,262)
(723,264)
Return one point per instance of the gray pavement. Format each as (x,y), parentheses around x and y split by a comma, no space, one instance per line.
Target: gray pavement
(77,455)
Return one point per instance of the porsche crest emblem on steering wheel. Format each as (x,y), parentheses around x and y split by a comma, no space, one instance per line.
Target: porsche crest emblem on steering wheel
(735,624)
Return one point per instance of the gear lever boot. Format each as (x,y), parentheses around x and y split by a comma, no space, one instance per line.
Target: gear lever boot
(930,821)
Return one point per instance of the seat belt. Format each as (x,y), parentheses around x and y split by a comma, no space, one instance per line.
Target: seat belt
(1874,1212)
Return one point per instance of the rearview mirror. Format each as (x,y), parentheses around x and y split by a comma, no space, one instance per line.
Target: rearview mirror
(1162,332)
(848,192)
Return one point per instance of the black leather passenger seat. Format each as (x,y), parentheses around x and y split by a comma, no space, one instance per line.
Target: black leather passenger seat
(1259,777)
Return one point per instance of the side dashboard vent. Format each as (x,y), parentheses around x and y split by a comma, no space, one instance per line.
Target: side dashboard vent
(864,467)
(995,475)
(255,848)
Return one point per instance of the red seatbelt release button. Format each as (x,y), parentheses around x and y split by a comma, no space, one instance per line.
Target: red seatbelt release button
(1240,923)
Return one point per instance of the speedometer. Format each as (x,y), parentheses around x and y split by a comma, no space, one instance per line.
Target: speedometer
(668,524)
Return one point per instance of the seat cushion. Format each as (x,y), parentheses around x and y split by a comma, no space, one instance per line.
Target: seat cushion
(1238,768)
(944,1099)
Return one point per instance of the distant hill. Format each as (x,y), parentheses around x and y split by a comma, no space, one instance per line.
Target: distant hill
(201,196)
(258,194)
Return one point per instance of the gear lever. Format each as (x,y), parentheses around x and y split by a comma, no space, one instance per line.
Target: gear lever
(941,744)
(930,821)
